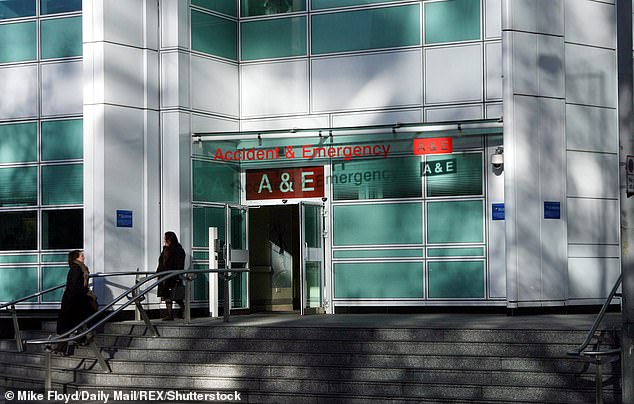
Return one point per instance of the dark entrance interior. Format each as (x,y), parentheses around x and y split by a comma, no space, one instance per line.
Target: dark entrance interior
(274,258)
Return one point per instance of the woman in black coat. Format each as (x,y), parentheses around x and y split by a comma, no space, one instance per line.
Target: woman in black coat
(172,258)
(77,300)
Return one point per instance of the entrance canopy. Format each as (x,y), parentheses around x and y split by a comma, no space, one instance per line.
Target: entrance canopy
(298,145)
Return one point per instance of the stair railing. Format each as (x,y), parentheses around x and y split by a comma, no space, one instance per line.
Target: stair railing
(599,356)
(135,295)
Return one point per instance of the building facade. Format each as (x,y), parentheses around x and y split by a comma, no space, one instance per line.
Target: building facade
(351,153)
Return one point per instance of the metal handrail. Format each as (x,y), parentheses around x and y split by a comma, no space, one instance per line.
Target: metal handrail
(67,337)
(577,351)
(42,292)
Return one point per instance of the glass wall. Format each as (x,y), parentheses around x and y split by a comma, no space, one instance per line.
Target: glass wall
(41,159)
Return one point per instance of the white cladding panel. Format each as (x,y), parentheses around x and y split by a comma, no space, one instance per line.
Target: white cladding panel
(18,86)
(62,88)
(445,114)
(123,186)
(174,23)
(216,86)
(298,122)
(376,118)
(124,75)
(174,79)
(543,16)
(590,76)
(537,62)
(592,175)
(202,123)
(496,228)
(494,111)
(274,89)
(591,128)
(366,81)
(591,23)
(593,221)
(124,22)
(493,57)
(592,277)
(459,66)
(493,18)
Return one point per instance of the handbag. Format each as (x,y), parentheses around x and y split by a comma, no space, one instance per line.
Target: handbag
(92,300)
(177,292)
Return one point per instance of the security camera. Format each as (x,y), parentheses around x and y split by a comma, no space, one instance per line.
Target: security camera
(284,201)
(497,159)
(324,199)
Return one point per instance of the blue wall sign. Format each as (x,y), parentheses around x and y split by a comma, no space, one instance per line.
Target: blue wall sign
(124,218)
(497,211)
(552,210)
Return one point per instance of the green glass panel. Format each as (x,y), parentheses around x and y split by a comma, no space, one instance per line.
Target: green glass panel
(312,226)
(455,252)
(18,186)
(60,6)
(250,8)
(18,230)
(456,279)
(200,255)
(63,184)
(374,253)
(229,7)
(452,21)
(18,259)
(62,229)
(238,229)
(379,280)
(313,284)
(53,276)
(61,37)
(200,285)
(377,179)
(275,38)
(455,222)
(18,143)
(376,28)
(397,223)
(466,180)
(62,139)
(16,8)
(322,4)
(238,291)
(204,218)
(54,257)
(18,42)
(215,182)
(16,283)
(214,35)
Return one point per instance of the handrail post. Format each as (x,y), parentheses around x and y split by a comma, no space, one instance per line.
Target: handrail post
(135,292)
(48,383)
(16,330)
(213,276)
(188,299)
(226,299)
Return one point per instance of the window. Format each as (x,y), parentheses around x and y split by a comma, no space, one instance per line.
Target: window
(214,35)
(18,186)
(228,7)
(62,229)
(61,37)
(204,218)
(18,143)
(17,42)
(466,180)
(62,139)
(62,184)
(321,4)
(455,222)
(456,279)
(279,37)
(258,7)
(452,21)
(60,6)
(376,28)
(379,280)
(18,231)
(16,8)
(215,182)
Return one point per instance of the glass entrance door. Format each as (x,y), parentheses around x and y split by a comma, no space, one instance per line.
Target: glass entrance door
(237,254)
(311,221)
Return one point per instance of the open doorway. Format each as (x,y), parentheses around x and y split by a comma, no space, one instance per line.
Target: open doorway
(274,257)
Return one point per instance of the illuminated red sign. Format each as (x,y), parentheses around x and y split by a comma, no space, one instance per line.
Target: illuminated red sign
(433,145)
(285,183)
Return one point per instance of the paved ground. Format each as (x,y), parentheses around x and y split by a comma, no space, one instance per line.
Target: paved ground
(427,320)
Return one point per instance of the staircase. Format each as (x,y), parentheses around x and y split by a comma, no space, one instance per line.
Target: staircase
(330,359)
